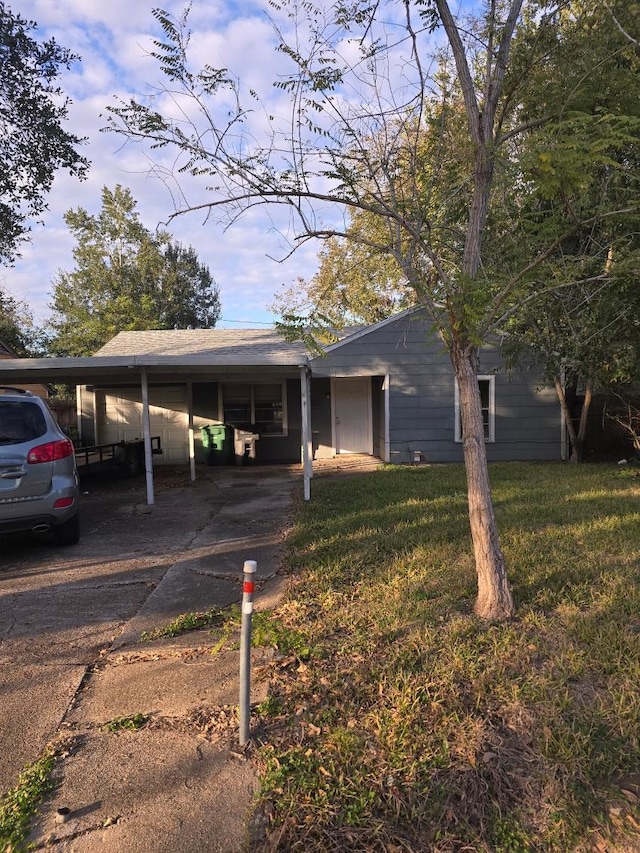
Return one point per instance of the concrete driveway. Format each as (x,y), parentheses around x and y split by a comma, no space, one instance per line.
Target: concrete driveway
(69,613)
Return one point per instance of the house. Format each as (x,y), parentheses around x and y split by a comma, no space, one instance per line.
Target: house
(249,378)
(387,390)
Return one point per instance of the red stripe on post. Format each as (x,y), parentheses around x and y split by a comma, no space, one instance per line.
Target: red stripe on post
(248,586)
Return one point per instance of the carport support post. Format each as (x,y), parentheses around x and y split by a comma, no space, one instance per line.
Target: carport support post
(192,451)
(146,432)
(249,569)
(306,430)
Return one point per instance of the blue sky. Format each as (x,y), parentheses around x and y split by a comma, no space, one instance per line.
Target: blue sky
(251,261)
(113,38)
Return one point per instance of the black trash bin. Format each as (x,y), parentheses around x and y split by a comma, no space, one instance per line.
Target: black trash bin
(217,442)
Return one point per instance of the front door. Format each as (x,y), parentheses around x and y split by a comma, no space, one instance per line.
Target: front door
(352,415)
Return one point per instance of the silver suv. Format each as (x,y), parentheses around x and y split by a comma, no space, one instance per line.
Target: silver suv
(38,475)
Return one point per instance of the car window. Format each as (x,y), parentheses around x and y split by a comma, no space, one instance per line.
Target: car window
(20,421)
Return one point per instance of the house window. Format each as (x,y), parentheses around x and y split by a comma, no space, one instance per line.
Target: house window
(258,407)
(487,386)
(237,405)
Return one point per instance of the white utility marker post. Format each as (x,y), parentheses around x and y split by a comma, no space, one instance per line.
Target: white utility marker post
(307,450)
(249,569)
(146,432)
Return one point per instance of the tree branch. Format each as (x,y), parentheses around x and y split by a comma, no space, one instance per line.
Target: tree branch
(619,25)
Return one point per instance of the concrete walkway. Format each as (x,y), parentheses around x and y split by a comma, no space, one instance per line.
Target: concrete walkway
(179,783)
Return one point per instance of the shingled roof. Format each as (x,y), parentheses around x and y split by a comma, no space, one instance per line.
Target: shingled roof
(217,346)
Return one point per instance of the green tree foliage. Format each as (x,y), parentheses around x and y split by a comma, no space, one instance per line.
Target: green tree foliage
(33,143)
(126,278)
(17,328)
(587,338)
(581,171)
(355,283)
(359,279)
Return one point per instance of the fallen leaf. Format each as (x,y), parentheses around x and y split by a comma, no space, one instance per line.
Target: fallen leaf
(633,798)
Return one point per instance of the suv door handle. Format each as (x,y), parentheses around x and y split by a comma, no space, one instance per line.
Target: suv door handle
(12,475)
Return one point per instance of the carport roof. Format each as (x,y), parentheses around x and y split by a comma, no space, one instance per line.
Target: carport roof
(163,352)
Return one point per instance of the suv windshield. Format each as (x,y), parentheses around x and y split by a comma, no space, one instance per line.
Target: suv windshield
(20,421)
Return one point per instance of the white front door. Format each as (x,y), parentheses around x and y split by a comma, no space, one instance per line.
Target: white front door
(352,415)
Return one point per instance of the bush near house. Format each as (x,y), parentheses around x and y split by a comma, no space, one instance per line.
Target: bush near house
(410,725)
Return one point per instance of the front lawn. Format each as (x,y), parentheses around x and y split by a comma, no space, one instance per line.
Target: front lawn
(405,723)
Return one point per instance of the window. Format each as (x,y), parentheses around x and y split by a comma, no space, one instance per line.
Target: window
(268,409)
(20,422)
(261,408)
(486,384)
(237,405)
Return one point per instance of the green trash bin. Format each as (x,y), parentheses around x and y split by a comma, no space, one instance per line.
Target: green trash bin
(217,443)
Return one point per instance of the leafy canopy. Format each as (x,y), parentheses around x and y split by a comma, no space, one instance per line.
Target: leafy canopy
(33,142)
(18,331)
(582,186)
(126,278)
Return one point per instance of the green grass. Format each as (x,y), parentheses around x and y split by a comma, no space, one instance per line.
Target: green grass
(267,630)
(131,723)
(186,622)
(20,803)
(414,726)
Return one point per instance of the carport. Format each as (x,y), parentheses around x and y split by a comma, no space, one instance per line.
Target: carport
(269,357)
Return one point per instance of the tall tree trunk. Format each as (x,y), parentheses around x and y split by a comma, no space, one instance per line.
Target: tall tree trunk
(576,437)
(482,177)
(494,596)
(494,600)
(568,420)
(584,418)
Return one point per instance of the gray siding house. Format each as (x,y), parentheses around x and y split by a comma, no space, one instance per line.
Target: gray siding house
(387,390)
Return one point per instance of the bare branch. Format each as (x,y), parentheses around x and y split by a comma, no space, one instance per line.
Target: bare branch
(619,25)
(464,74)
(494,307)
(500,321)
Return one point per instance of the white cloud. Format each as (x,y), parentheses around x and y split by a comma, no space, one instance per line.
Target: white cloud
(113,39)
